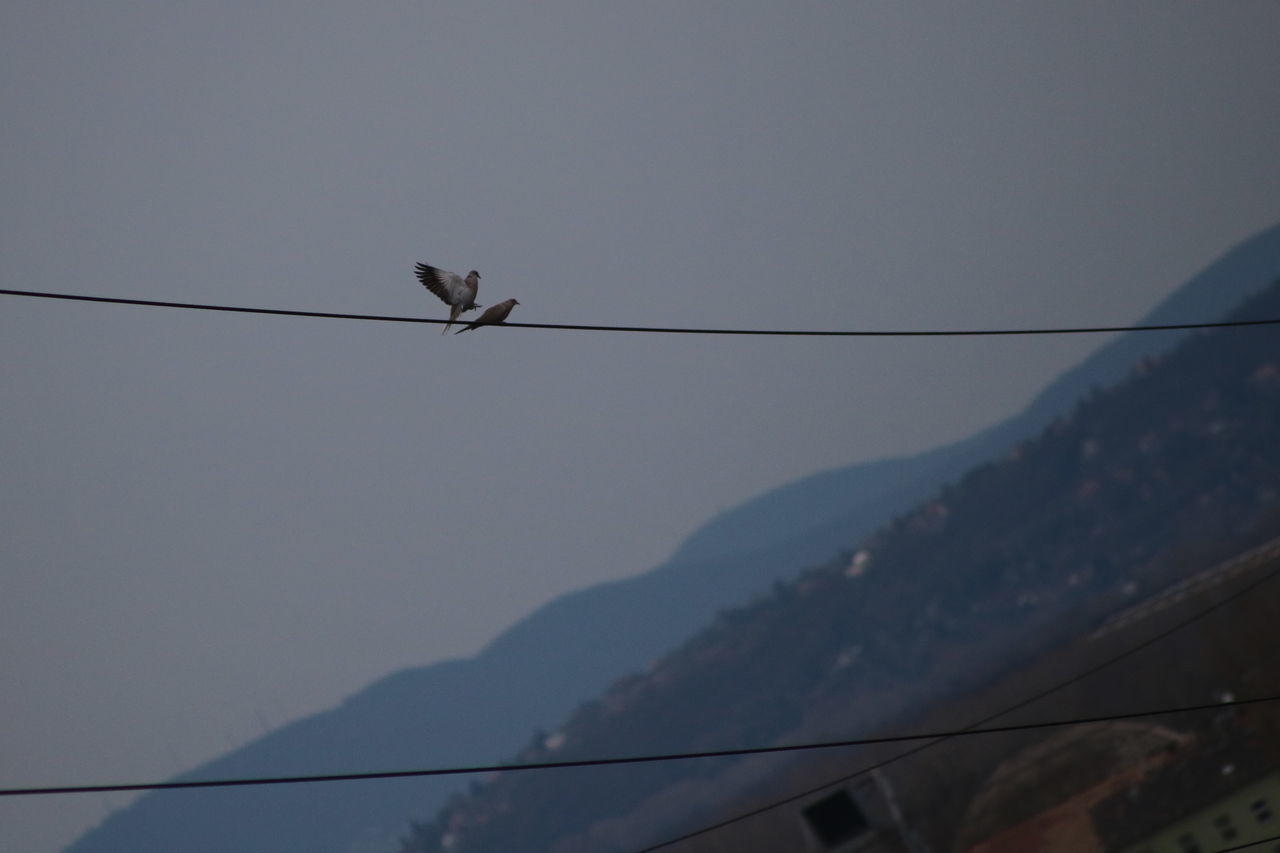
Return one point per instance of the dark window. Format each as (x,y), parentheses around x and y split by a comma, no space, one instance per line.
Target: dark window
(835,819)
(1187,843)
(1225,828)
(1261,810)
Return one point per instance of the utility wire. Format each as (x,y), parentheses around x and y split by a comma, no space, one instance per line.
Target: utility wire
(631,759)
(1257,554)
(114,300)
(1251,844)
(933,738)
(1261,552)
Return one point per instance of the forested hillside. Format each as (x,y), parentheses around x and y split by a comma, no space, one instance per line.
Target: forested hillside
(1098,510)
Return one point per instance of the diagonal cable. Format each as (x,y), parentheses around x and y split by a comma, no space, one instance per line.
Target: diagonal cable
(1262,552)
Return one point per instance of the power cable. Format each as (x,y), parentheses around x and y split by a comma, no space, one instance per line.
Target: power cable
(655,329)
(630,759)
(1251,844)
(933,738)
(1259,553)
(1268,549)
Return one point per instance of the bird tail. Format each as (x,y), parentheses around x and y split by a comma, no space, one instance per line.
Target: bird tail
(454,311)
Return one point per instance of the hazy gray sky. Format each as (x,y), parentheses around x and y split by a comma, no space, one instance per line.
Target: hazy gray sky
(215,523)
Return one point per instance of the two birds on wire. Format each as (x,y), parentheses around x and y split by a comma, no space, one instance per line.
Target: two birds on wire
(460,295)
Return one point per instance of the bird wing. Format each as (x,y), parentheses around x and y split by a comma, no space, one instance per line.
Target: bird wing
(449,286)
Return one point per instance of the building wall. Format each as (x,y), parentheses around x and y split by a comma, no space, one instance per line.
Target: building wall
(1248,815)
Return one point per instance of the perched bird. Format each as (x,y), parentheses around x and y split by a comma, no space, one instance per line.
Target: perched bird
(493,314)
(455,291)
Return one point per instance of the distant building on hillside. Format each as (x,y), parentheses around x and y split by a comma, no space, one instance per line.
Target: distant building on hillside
(1209,784)
(1129,788)
(1197,782)
(1043,797)
(1198,808)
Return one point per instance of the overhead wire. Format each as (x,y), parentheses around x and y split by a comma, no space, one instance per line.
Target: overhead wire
(1265,550)
(669,330)
(932,738)
(1250,845)
(621,760)
(1262,552)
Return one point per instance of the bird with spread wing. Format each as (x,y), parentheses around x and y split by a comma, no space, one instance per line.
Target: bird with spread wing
(455,291)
